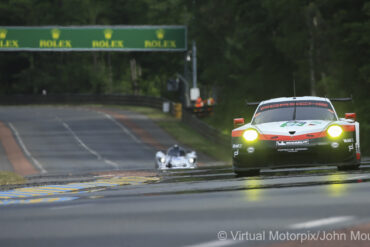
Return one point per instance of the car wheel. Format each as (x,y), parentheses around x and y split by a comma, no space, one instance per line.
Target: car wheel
(348,168)
(250,173)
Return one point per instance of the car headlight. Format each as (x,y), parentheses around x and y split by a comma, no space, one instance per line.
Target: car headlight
(162,160)
(335,131)
(191,160)
(250,135)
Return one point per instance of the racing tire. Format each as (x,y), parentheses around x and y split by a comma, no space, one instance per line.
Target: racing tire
(348,168)
(250,173)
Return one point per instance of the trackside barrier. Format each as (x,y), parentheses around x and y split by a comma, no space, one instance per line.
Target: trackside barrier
(120,99)
(204,129)
(105,99)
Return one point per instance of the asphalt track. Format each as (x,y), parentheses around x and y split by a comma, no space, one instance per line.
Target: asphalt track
(63,139)
(176,208)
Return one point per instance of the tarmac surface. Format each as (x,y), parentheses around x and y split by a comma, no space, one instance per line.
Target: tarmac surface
(80,139)
(95,186)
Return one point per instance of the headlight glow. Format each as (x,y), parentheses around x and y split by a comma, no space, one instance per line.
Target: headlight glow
(250,135)
(163,159)
(335,131)
(191,160)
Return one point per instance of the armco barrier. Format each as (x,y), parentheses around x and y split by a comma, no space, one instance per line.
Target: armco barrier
(204,129)
(116,99)
(106,99)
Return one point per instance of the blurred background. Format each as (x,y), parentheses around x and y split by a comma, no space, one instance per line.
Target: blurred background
(250,50)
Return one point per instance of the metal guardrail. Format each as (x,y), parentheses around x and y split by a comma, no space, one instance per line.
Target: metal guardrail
(105,99)
(117,99)
(204,129)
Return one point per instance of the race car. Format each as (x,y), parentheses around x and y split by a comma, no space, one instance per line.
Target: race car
(176,158)
(295,132)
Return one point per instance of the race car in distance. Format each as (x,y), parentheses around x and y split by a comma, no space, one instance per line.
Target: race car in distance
(295,132)
(175,158)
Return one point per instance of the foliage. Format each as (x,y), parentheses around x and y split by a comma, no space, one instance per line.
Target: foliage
(247,49)
(79,72)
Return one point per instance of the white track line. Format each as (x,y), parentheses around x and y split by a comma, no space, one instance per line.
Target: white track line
(321,222)
(25,150)
(93,152)
(123,128)
(216,243)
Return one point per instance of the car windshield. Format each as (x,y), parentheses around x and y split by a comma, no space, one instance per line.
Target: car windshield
(294,110)
(176,151)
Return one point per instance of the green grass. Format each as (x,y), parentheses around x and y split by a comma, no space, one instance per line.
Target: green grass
(152,113)
(7,178)
(182,132)
(225,129)
(364,139)
(189,137)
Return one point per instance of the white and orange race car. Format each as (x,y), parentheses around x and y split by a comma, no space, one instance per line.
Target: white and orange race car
(295,132)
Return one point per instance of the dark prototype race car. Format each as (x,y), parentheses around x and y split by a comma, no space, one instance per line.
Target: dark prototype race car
(295,132)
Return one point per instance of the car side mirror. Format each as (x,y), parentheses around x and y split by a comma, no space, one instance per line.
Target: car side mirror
(238,122)
(350,116)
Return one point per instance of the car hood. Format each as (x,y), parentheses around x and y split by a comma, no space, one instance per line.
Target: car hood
(177,160)
(299,127)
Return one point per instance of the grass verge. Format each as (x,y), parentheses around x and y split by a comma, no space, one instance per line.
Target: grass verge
(182,132)
(7,178)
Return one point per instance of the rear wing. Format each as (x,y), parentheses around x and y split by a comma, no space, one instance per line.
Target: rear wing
(331,99)
(252,103)
(341,99)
